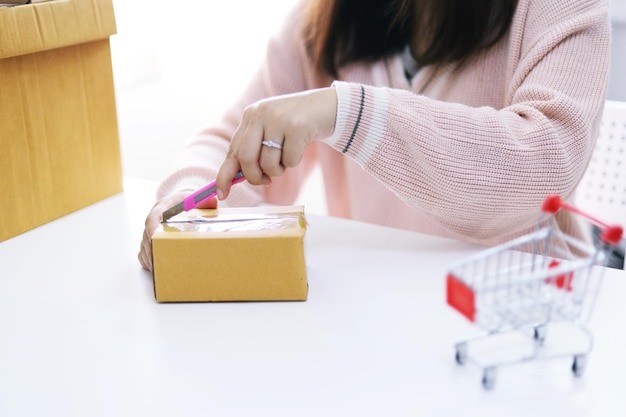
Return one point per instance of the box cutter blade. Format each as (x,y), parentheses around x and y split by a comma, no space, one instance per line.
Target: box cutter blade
(194,199)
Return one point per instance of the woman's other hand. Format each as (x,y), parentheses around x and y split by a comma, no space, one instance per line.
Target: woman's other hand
(289,123)
(154,219)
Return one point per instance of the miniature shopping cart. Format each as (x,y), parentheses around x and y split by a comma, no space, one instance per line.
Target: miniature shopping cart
(524,285)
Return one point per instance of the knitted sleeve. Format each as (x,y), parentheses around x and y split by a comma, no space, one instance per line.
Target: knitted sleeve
(481,171)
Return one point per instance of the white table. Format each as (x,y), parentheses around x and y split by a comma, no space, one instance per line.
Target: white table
(81,333)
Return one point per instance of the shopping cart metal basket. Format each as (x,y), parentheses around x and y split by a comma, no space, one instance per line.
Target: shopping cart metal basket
(526,284)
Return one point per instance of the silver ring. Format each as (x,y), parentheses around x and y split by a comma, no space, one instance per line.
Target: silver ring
(271,144)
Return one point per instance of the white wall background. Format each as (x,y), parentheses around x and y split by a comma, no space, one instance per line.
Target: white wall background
(177,64)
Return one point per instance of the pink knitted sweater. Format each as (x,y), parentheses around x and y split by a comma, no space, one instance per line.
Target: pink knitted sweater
(468,153)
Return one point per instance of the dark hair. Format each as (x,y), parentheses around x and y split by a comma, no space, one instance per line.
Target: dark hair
(340,32)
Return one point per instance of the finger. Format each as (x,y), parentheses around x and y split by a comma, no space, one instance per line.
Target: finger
(152,222)
(140,257)
(249,153)
(292,152)
(271,155)
(145,253)
(225,175)
(230,166)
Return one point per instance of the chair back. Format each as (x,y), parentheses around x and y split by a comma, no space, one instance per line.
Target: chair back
(602,191)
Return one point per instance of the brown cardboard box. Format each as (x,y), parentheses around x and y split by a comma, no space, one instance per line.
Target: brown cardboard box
(58,122)
(231,254)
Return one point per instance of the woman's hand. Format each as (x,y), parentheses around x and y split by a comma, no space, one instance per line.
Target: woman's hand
(154,219)
(290,121)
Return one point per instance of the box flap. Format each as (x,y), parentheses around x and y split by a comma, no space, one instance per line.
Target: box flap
(43,26)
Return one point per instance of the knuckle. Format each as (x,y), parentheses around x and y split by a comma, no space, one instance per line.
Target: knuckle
(254,111)
(247,159)
(263,106)
(297,126)
(291,159)
(248,111)
(273,170)
(254,179)
(266,166)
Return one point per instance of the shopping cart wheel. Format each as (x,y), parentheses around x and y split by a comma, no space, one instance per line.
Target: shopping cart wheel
(578,367)
(461,353)
(540,334)
(489,378)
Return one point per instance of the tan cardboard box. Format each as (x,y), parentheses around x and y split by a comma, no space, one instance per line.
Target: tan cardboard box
(58,121)
(231,254)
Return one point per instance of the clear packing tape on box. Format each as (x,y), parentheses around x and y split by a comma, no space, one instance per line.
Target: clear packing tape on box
(195,222)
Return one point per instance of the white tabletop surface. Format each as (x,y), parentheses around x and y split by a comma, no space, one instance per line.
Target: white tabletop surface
(81,333)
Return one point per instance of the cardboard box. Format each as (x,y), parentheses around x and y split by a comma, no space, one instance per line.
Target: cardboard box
(58,120)
(231,254)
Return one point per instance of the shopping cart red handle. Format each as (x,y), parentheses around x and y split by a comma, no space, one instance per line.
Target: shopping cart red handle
(612,234)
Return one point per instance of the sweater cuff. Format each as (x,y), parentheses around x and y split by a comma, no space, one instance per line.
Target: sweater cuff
(361,122)
(346,94)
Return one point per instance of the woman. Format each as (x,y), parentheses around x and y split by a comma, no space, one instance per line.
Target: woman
(448,117)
